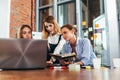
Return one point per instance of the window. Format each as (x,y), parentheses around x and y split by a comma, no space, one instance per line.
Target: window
(66,14)
(42,14)
(65,11)
(45,2)
(45,9)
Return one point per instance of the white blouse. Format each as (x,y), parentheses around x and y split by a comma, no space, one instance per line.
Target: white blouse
(53,39)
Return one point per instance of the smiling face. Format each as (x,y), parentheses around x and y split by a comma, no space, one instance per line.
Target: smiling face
(49,27)
(26,33)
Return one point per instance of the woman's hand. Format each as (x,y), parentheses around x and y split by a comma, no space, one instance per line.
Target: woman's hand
(49,63)
(81,63)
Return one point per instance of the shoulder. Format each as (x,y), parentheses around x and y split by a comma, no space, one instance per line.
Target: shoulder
(83,40)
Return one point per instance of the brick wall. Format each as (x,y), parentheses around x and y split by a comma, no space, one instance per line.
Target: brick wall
(22,12)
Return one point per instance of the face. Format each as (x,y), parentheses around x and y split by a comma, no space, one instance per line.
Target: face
(67,34)
(49,27)
(26,33)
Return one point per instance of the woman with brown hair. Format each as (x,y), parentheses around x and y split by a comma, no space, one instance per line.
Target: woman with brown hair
(81,46)
(25,32)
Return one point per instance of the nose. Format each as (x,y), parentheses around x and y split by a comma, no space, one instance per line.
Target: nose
(49,28)
(28,36)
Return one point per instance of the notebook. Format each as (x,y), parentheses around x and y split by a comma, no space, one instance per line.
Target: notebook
(23,53)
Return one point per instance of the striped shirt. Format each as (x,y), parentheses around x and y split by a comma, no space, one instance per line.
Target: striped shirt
(83,49)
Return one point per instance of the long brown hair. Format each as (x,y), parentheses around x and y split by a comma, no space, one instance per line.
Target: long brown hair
(22,27)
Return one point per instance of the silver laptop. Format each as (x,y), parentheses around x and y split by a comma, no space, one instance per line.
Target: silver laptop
(23,53)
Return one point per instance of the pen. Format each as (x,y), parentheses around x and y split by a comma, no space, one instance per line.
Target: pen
(58,67)
(86,67)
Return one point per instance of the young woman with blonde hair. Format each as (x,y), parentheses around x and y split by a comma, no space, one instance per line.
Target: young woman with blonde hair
(51,31)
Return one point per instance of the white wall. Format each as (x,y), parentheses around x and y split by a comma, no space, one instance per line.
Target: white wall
(4,18)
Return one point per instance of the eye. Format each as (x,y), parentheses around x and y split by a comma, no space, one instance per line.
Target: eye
(64,32)
(24,32)
(50,25)
(29,32)
(46,26)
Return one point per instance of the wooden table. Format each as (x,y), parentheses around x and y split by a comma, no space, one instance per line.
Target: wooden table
(48,74)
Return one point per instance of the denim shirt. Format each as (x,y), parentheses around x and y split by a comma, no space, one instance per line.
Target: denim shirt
(84,51)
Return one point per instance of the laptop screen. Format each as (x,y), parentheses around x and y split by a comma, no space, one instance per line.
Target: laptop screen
(23,53)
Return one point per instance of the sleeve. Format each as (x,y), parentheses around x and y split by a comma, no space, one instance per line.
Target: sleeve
(59,46)
(85,56)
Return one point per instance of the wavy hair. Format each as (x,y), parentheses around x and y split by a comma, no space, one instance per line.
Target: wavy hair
(50,19)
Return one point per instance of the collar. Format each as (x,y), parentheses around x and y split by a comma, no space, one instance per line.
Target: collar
(77,40)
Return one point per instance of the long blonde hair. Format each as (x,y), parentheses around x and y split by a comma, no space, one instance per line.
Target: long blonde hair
(50,19)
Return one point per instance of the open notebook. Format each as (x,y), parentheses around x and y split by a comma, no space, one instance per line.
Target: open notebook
(23,53)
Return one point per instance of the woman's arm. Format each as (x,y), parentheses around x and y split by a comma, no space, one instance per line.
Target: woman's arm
(59,46)
(86,51)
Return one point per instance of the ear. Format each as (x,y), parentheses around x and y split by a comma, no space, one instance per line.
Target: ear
(73,30)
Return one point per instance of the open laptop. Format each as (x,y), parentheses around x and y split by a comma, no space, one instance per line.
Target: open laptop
(23,53)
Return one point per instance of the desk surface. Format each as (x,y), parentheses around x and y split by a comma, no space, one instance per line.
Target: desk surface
(47,74)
